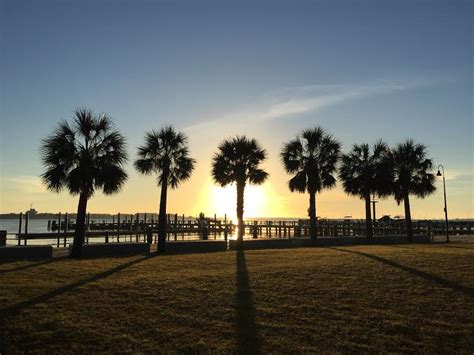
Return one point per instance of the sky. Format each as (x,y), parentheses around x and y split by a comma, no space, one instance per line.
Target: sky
(363,70)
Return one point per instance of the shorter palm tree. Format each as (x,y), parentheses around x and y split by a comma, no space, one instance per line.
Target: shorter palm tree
(412,175)
(84,157)
(312,158)
(364,172)
(238,161)
(166,154)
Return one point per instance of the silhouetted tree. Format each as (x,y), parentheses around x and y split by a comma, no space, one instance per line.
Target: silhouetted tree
(412,175)
(312,158)
(165,153)
(364,172)
(85,156)
(238,161)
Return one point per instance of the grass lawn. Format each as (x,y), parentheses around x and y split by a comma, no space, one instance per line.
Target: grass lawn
(364,298)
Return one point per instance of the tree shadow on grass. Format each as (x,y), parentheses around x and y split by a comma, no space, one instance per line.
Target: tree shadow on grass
(248,339)
(469,291)
(14,309)
(457,247)
(24,267)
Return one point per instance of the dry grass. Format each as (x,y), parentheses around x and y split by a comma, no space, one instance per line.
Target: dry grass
(368,298)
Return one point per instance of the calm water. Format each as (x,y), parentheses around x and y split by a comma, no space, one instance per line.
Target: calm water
(41,226)
(34,226)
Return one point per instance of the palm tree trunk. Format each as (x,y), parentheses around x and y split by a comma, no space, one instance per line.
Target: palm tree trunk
(80,229)
(162,216)
(406,202)
(368,219)
(313,227)
(240,210)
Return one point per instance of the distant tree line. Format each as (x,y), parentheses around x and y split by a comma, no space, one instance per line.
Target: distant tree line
(50,215)
(89,154)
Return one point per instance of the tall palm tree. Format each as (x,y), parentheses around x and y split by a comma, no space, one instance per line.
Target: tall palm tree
(238,161)
(412,176)
(166,154)
(82,157)
(312,158)
(365,172)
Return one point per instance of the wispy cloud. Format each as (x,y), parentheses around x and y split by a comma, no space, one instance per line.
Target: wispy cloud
(460,180)
(23,184)
(296,100)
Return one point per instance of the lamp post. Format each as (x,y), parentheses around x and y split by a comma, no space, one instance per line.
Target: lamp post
(445,204)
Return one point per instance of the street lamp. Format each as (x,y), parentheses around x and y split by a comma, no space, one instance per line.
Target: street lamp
(445,204)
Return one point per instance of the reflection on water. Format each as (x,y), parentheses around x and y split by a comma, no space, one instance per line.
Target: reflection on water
(41,226)
(34,225)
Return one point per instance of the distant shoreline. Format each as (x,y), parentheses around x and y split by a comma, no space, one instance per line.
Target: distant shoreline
(104,216)
(50,215)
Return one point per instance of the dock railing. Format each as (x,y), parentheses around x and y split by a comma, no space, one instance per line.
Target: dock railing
(136,227)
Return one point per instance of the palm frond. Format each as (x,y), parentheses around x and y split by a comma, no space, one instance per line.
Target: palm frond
(365,171)
(298,182)
(238,160)
(84,156)
(313,154)
(166,154)
(412,171)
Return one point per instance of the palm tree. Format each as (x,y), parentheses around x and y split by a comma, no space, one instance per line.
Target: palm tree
(364,172)
(412,175)
(166,154)
(312,158)
(238,161)
(82,157)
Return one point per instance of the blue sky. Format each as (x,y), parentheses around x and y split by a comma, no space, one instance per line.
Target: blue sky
(362,69)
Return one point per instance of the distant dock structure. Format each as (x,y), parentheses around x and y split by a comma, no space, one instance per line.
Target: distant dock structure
(139,226)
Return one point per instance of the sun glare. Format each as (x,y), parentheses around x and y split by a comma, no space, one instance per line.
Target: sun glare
(225,201)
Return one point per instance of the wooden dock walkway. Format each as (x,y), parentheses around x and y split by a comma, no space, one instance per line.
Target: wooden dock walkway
(130,228)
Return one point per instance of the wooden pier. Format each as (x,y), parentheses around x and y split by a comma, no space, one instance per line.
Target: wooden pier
(144,227)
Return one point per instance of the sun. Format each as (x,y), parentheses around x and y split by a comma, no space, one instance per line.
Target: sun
(224,201)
